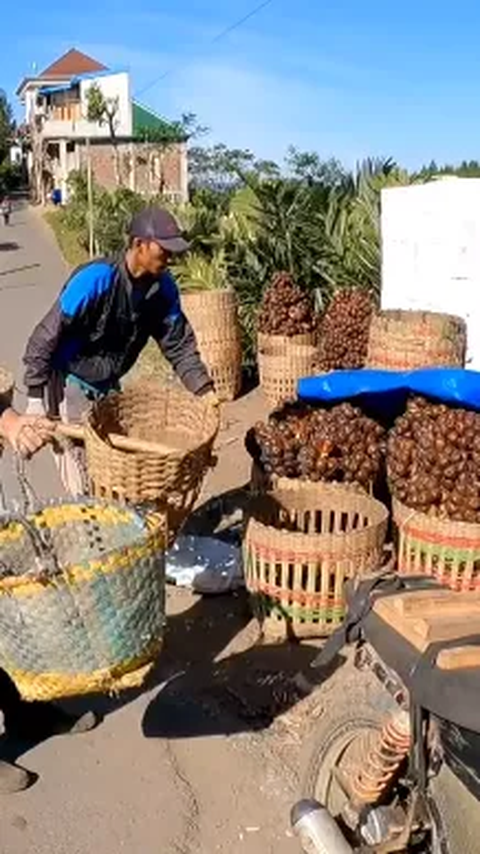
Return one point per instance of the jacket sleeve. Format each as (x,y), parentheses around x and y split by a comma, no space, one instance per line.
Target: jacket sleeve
(62,324)
(177,342)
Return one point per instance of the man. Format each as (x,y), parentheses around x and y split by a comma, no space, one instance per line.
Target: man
(100,323)
(6,209)
(30,721)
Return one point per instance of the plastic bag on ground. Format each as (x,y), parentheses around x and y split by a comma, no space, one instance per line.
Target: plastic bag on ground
(205,564)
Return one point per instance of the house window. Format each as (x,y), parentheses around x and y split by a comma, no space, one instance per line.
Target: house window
(70,147)
(53,151)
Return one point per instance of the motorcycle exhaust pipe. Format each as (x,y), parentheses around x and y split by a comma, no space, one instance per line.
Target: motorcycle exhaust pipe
(317,830)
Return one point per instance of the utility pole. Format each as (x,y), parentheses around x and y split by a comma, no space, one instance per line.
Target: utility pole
(90,200)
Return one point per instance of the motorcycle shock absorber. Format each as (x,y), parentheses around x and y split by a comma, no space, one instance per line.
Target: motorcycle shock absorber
(382,760)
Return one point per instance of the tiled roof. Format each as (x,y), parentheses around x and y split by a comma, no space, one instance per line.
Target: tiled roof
(71,63)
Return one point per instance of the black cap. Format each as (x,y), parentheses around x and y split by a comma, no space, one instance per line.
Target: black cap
(159,225)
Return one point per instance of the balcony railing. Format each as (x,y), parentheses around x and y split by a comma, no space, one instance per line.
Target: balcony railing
(71,112)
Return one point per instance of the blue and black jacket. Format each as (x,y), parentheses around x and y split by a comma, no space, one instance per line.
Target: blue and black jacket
(100,323)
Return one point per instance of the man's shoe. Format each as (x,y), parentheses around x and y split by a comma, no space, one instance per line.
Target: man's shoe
(13,779)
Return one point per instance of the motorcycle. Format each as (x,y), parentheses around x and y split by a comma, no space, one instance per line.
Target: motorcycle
(394,761)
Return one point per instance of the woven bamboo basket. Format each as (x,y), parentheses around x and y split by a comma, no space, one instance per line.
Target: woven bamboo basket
(261,482)
(406,340)
(214,319)
(302,542)
(272,345)
(82,598)
(185,424)
(279,372)
(447,551)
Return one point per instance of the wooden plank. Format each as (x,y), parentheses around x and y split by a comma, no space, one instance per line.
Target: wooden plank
(403,627)
(437,602)
(422,631)
(459,658)
(448,628)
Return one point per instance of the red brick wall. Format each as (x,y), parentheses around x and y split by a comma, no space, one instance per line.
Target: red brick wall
(166,177)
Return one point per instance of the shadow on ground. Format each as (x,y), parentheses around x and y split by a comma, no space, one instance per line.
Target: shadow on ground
(9,246)
(215,675)
(19,269)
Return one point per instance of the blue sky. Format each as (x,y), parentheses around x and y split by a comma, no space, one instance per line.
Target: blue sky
(343,77)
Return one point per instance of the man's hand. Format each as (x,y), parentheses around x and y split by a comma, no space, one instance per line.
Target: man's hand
(25,433)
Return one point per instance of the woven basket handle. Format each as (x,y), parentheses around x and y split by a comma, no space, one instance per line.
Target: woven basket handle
(30,498)
(45,555)
(116,440)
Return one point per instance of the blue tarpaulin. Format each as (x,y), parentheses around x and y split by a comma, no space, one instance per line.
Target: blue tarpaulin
(388,390)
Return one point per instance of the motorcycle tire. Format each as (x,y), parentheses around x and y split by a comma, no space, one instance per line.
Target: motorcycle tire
(356,705)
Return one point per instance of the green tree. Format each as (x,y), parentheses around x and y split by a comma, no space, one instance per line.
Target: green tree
(308,166)
(7,126)
(103,111)
(222,169)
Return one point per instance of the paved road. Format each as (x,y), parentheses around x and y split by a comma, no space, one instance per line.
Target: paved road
(160,775)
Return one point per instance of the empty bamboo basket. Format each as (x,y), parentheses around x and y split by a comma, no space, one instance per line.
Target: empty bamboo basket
(214,319)
(281,364)
(447,551)
(406,340)
(302,542)
(185,424)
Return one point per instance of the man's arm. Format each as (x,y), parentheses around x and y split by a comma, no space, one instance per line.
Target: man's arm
(71,309)
(177,342)
(40,351)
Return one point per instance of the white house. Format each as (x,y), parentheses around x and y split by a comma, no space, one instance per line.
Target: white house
(56,114)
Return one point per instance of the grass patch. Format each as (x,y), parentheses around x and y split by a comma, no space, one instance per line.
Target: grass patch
(150,364)
(67,239)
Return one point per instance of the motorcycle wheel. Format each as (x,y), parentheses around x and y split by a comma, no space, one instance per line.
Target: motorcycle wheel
(356,706)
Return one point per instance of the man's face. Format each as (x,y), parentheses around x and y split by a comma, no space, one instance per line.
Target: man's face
(151,257)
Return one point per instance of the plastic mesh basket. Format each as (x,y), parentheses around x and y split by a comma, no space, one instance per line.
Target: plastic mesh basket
(82,598)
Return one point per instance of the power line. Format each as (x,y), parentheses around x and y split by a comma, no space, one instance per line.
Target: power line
(221,35)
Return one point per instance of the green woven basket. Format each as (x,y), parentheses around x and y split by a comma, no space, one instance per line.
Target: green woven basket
(82,598)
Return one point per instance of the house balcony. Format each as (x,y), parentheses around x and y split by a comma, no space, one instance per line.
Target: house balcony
(74,127)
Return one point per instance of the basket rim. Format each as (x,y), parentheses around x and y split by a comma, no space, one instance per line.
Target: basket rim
(257,524)
(297,484)
(401,315)
(145,538)
(311,539)
(136,388)
(431,522)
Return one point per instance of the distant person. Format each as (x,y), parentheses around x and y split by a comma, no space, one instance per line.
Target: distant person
(100,323)
(6,209)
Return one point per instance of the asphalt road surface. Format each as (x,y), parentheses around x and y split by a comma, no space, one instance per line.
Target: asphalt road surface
(167,771)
